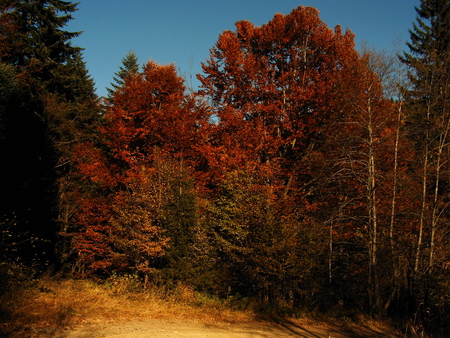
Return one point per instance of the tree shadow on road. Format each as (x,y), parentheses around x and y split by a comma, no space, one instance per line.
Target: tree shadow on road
(330,329)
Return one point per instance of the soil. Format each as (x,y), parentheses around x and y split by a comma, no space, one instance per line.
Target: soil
(171,329)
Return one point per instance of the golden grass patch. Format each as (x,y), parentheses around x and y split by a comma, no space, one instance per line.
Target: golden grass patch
(59,303)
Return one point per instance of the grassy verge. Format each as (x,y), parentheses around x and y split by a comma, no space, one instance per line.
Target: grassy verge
(46,306)
(52,303)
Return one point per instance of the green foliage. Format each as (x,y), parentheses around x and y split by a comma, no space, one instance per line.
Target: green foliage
(130,67)
(75,84)
(264,251)
(124,284)
(181,221)
(427,64)
(39,45)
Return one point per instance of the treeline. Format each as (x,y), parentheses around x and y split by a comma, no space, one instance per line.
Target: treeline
(302,174)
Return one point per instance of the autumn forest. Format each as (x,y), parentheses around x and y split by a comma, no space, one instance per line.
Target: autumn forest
(302,173)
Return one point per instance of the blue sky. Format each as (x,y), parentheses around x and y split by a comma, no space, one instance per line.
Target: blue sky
(183,31)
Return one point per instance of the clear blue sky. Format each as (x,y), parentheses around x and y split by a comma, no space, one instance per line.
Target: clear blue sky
(183,31)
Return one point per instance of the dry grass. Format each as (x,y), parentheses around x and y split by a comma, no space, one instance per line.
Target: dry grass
(51,303)
(44,307)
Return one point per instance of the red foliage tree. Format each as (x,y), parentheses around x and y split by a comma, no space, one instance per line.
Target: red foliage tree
(275,93)
(272,88)
(150,124)
(300,110)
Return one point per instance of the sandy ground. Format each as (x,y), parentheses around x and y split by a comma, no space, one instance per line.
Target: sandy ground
(171,329)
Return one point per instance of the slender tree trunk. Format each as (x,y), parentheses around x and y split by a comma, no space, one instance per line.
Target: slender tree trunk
(422,212)
(435,209)
(394,189)
(330,256)
(373,217)
(424,194)
(66,209)
(394,258)
(433,221)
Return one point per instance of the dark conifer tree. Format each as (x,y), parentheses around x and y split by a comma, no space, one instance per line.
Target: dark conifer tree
(38,44)
(181,219)
(55,104)
(429,53)
(428,114)
(129,67)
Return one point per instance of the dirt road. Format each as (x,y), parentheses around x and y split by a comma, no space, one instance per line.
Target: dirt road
(172,329)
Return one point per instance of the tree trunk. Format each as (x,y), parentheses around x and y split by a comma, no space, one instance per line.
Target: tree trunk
(373,217)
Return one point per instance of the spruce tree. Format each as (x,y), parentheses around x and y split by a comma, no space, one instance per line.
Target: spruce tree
(38,44)
(181,219)
(429,52)
(50,114)
(428,117)
(129,67)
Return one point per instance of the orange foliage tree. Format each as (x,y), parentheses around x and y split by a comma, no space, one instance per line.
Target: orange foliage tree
(274,93)
(303,116)
(150,127)
(272,89)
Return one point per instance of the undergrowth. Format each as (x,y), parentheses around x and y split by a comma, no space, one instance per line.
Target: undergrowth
(49,303)
(44,306)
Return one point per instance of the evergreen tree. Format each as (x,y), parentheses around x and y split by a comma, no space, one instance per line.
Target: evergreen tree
(428,117)
(181,218)
(428,60)
(52,111)
(427,63)
(130,67)
(38,45)
(429,36)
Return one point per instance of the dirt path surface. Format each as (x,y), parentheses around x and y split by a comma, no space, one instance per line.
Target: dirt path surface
(172,329)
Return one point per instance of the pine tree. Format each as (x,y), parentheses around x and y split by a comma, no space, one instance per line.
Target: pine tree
(429,37)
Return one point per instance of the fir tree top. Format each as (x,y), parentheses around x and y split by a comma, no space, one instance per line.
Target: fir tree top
(129,67)
(431,31)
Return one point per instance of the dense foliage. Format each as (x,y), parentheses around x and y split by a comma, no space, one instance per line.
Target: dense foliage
(48,105)
(302,174)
